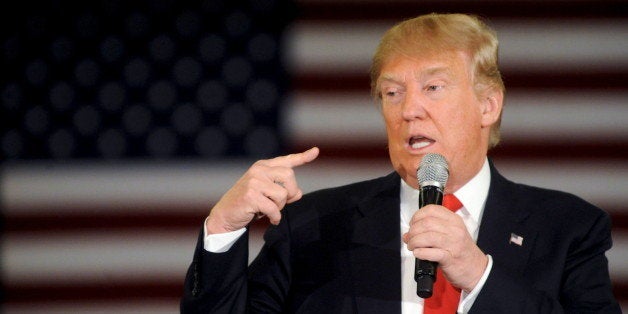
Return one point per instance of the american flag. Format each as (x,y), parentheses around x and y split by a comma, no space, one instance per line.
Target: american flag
(516,239)
(85,235)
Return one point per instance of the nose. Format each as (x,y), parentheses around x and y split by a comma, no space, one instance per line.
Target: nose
(413,106)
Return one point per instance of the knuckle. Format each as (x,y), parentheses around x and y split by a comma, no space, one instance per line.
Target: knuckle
(284,193)
(285,172)
(254,165)
(289,172)
(254,172)
(258,164)
(274,214)
(251,183)
(428,223)
(250,195)
(298,194)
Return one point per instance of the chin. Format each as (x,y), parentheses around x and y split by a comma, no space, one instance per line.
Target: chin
(407,171)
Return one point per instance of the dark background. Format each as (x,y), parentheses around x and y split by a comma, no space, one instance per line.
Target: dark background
(121,122)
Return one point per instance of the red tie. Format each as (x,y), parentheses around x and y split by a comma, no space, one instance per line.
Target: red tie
(445,298)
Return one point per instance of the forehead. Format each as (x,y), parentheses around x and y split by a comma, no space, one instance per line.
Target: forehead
(451,65)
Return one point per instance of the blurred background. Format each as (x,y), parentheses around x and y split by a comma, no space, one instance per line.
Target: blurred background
(122,123)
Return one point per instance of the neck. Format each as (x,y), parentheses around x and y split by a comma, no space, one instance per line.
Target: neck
(458,180)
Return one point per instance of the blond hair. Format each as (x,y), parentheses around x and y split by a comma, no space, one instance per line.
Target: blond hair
(436,33)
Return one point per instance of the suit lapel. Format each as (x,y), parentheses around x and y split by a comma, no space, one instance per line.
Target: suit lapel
(504,233)
(374,256)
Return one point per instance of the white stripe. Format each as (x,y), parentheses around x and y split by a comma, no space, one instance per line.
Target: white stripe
(349,118)
(617,257)
(122,257)
(67,188)
(105,258)
(558,116)
(132,187)
(107,307)
(332,46)
(524,44)
(340,118)
(118,187)
(540,44)
(601,183)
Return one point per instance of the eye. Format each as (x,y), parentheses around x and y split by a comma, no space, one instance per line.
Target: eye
(391,94)
(433,88)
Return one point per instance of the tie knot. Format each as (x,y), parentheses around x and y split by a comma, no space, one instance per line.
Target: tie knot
(451,202)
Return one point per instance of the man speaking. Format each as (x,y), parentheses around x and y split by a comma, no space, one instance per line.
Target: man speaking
(498,246)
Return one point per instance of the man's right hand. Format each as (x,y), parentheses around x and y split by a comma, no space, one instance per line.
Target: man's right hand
(263,190)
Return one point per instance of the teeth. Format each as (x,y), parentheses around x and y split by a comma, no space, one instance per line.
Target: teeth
(418,145)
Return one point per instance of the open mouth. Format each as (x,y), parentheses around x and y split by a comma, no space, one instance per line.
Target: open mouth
(418,142)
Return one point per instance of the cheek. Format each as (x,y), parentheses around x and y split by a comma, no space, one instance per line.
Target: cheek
(392,121)
(393,124)
(467,117)
(388,111)
(395,137)
(465,133)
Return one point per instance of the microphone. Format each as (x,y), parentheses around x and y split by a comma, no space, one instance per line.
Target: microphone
(432,175)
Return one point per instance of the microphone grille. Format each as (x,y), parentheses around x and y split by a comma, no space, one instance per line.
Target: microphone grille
(433,169)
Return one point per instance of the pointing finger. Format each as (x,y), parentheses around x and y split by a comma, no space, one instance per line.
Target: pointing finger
(294,160)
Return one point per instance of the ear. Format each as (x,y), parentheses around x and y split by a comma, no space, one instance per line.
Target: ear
(492,104)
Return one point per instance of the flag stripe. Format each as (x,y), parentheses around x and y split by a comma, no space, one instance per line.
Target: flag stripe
(526,46)
(374,10)
(118,237)
(147,190)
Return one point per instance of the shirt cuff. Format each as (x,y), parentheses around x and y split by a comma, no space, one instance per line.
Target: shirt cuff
(467,299)
(220,242)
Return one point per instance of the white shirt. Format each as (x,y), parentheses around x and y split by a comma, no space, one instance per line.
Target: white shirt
(473,197)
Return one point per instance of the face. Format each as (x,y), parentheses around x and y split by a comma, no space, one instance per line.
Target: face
(430,106)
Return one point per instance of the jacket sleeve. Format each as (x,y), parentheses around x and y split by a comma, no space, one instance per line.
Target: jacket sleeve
(585,285)
(224,283)
(217,282)
(270,274)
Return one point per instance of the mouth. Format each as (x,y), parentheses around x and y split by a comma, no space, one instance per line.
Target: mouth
(419,142)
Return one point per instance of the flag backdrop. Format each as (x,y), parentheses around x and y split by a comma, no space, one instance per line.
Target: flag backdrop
(122,123)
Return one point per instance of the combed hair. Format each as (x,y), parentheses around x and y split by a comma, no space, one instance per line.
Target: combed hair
(433,33)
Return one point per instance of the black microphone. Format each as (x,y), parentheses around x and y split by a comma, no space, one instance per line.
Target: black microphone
(432,174)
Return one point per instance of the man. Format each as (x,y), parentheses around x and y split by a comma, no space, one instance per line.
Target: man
(352,249)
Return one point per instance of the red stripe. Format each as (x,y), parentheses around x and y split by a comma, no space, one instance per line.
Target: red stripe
(62,223)
(620,290)
(17,224)
(90,292)
(574,151)
(568,151)
(146,290)
(136,291)
(106,221)
(383,10)
(611,80)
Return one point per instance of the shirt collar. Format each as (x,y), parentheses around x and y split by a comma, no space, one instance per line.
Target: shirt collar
(472,195)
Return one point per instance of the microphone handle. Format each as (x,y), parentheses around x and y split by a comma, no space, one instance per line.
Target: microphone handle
(425,271)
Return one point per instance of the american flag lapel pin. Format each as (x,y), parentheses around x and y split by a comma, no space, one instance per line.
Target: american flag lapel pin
(516,239)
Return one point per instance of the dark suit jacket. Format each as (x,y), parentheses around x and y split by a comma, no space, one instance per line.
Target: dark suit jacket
(338,251)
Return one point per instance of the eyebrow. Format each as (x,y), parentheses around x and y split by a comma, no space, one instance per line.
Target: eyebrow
(437,70)
(427,72)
